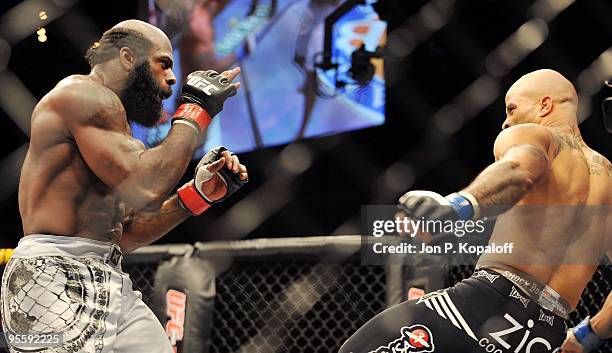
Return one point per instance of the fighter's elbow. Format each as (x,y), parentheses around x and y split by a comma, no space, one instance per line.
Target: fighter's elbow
(529,159)
(533,174)
(519,176)
(142,198)
(153,200)
(525,180)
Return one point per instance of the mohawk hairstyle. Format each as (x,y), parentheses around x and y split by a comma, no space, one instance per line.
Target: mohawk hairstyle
(108,46)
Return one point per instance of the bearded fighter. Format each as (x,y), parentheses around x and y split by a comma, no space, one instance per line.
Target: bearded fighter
(551,195)
(90,192)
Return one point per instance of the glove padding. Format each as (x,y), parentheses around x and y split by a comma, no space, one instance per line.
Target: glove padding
(427,204)
(431,205)
(191,195)
(202,175)
(585,337)
(571,344)
(207,89)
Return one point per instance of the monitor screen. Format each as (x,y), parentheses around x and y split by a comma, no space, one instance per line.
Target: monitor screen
(284,95)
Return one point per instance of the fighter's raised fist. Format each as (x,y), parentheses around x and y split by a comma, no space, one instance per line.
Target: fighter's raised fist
(203,95)
(209,89)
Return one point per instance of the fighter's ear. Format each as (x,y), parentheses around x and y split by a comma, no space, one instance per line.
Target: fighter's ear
(546,105)
(127,58)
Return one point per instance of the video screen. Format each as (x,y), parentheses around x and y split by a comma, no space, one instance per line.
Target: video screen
(284,95)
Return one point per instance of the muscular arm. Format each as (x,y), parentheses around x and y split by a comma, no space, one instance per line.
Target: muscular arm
(143,228)
(522,159)
(602,321)
(142,178)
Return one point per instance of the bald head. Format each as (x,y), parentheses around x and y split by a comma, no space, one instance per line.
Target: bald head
(138,36)
(540,95)
(539,83)
(157,37)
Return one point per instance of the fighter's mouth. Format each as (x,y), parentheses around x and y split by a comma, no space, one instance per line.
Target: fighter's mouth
(165,95)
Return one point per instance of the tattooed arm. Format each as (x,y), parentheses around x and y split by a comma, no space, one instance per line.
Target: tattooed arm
(522,159)
(143,228)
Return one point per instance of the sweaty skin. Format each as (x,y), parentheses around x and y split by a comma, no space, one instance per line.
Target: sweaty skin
(84,175)
(562,188)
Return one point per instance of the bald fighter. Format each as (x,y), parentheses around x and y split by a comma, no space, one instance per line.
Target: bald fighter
(551,195)
(89,191)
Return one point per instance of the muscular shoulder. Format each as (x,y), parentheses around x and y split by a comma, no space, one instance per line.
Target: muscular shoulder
(523,134)
(81,100)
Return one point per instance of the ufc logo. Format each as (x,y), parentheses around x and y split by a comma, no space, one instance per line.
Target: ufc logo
(175,309)
(202,84)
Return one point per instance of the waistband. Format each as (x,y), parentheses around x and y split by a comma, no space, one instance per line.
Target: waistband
(525,289)
(58,245)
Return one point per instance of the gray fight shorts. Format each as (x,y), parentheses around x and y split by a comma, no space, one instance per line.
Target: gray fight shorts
(73,290)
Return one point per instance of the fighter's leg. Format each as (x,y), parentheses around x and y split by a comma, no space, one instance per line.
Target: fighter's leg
(411,327)
(139,329)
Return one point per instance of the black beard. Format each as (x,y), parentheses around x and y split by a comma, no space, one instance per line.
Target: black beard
(142,96)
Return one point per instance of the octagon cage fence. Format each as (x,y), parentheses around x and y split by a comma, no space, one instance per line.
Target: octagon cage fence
(305,294)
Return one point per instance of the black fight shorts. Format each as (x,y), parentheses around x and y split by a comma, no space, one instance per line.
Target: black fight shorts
(485,313)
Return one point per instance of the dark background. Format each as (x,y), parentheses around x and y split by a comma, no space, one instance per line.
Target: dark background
(318,186)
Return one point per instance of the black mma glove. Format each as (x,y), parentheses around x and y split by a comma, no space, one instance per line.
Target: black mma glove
(201,98)
(433,206)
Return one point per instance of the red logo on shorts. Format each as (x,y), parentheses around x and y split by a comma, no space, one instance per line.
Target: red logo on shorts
(414,339)
(419,339)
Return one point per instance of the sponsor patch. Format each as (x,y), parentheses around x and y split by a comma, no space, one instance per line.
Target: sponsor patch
(549,298)
(487,275)
(515,294)
(504,338)
(550,319)
(414,339)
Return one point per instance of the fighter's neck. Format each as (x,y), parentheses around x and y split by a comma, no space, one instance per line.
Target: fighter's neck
(107,76)
(568,124)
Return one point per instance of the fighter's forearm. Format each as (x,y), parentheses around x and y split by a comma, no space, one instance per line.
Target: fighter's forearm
(601,323)
(502,184)
(161,168)
(143,228)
